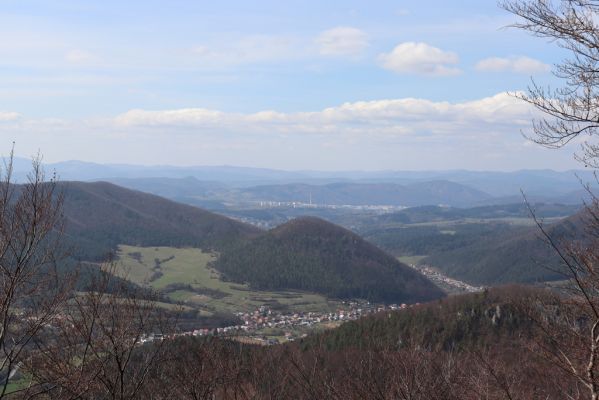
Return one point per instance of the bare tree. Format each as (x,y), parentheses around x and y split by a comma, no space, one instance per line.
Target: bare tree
(32,292)
(110,339)
(202,369)
(56,342)
(570,111)
(569,322)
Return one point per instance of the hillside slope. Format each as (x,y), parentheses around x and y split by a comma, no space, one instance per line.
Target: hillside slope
(507,256)
(99,216)
(487,245)
(454,323)
(314,255)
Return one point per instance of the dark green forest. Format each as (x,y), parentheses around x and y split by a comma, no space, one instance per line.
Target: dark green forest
(315,255)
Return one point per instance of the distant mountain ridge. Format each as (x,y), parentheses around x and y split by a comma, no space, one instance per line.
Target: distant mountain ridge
(345,193)
(215,195)
(496,183)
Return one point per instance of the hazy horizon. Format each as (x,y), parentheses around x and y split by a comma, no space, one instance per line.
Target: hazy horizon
(25,160)
(294,86)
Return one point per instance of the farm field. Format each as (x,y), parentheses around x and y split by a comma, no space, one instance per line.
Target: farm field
(185,275)
(411,259)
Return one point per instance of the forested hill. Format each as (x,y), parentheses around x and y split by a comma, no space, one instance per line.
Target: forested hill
(508,256)
(456,322)
(487,245)
(314,255)
(99,216)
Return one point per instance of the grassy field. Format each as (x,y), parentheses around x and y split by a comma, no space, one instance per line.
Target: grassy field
(410,259)
(185,276)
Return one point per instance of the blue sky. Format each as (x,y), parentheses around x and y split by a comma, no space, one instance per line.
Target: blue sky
(290,85)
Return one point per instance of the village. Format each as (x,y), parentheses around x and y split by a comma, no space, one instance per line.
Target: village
(265,326)
(291,324)
(444,281)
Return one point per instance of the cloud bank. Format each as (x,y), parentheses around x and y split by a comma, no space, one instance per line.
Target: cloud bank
(405,133)
(392,116)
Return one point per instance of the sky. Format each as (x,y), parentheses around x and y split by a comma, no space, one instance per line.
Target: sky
(321,85)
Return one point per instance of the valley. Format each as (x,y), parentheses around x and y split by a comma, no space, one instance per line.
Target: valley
(189,276)
(225,266)
(186,277)
(299,200)
(449,285)
(345,280)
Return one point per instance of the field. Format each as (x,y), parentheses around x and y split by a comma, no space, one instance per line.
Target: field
(185,275)
(409,260)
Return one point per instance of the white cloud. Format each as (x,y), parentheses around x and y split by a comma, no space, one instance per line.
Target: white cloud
(392,117)
(80,57)
(388,133)
(8,116)
(342,41)
(182,117)
(520,65)
(420,58)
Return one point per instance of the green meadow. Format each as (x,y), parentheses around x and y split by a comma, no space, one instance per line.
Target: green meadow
(185,275)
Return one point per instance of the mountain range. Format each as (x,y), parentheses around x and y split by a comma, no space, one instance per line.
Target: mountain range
(306,254)
(376,194)
(212,186)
